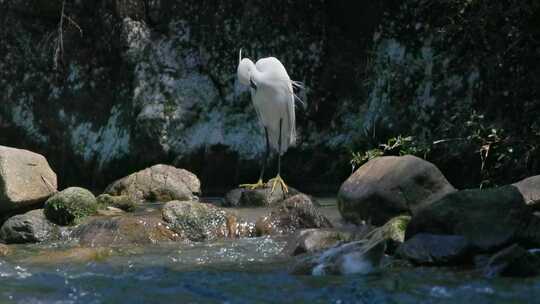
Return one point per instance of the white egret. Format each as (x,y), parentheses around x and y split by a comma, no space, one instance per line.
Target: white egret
(273,98)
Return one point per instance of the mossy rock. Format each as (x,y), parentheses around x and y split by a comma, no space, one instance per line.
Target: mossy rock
(123,202)
(69,206)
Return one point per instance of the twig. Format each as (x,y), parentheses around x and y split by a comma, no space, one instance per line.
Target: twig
(53,189)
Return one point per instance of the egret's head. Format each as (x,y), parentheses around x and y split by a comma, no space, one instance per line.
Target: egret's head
(245,70)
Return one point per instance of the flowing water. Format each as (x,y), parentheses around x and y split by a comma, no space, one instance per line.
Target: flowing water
(232,271)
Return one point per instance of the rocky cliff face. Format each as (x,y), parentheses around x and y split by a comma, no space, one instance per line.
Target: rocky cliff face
(134,82)
(128,83)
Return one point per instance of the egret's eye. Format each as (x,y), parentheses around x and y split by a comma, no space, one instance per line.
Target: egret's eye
(253,85)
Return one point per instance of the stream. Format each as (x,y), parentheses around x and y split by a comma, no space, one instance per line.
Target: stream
(230,271)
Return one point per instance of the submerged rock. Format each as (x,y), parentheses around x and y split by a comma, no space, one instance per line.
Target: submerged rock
(71,255)
(158,183)
(488,219)
(359,257)
(69,206)
(389,186)
(5,250)
(316,240)
(29,227)
(199,221)
(123,202)
(513,261)
(124,230)
(296,212)
(255,198)
(431,249)
(26,179)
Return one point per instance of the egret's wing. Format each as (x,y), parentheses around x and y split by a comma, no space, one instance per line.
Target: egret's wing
(291,115)
(257,110)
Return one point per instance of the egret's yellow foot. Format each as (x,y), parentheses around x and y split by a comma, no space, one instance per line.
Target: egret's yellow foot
(278,180)
(259,184)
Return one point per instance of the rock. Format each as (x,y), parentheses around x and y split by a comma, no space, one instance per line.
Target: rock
(70,205)
(513,261)
(355,257)
(316,240)
(110,211)
(389,186)
(431,249)
(122,202)
(530,190)
(26,179)
(124,230)
(255,198)
(158,183)
(296,212)
(5,250)
(70,255)
(29,227)
(232,198)
(394,231)
(200,222)
(489,219)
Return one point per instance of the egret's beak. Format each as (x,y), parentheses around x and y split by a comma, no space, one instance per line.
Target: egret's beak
(252,84)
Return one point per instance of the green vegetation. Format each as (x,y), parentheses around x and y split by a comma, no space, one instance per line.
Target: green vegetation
(464,88)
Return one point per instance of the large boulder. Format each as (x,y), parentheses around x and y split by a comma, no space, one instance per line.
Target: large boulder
(70,205)
(158,183)
(389,186)
(25,179)
(199,221)
(431,249)
(30,227)
(296,212)
(489,219)
(124,230)
(530,190)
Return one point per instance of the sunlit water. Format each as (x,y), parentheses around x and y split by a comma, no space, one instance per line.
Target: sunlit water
(233,271)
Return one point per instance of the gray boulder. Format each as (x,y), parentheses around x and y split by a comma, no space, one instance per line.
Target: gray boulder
(26,179)
(30,227)
(489,219)
(199,221)
(296,212)
(389,186)
(431,249)
(70,205)
(158,183)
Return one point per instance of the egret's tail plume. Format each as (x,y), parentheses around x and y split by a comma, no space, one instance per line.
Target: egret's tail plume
(299,85)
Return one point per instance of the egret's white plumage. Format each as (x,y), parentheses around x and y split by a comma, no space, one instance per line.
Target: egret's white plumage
(273,98)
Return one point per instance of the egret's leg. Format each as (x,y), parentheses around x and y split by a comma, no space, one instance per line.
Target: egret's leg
(278,179)
(260,183)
